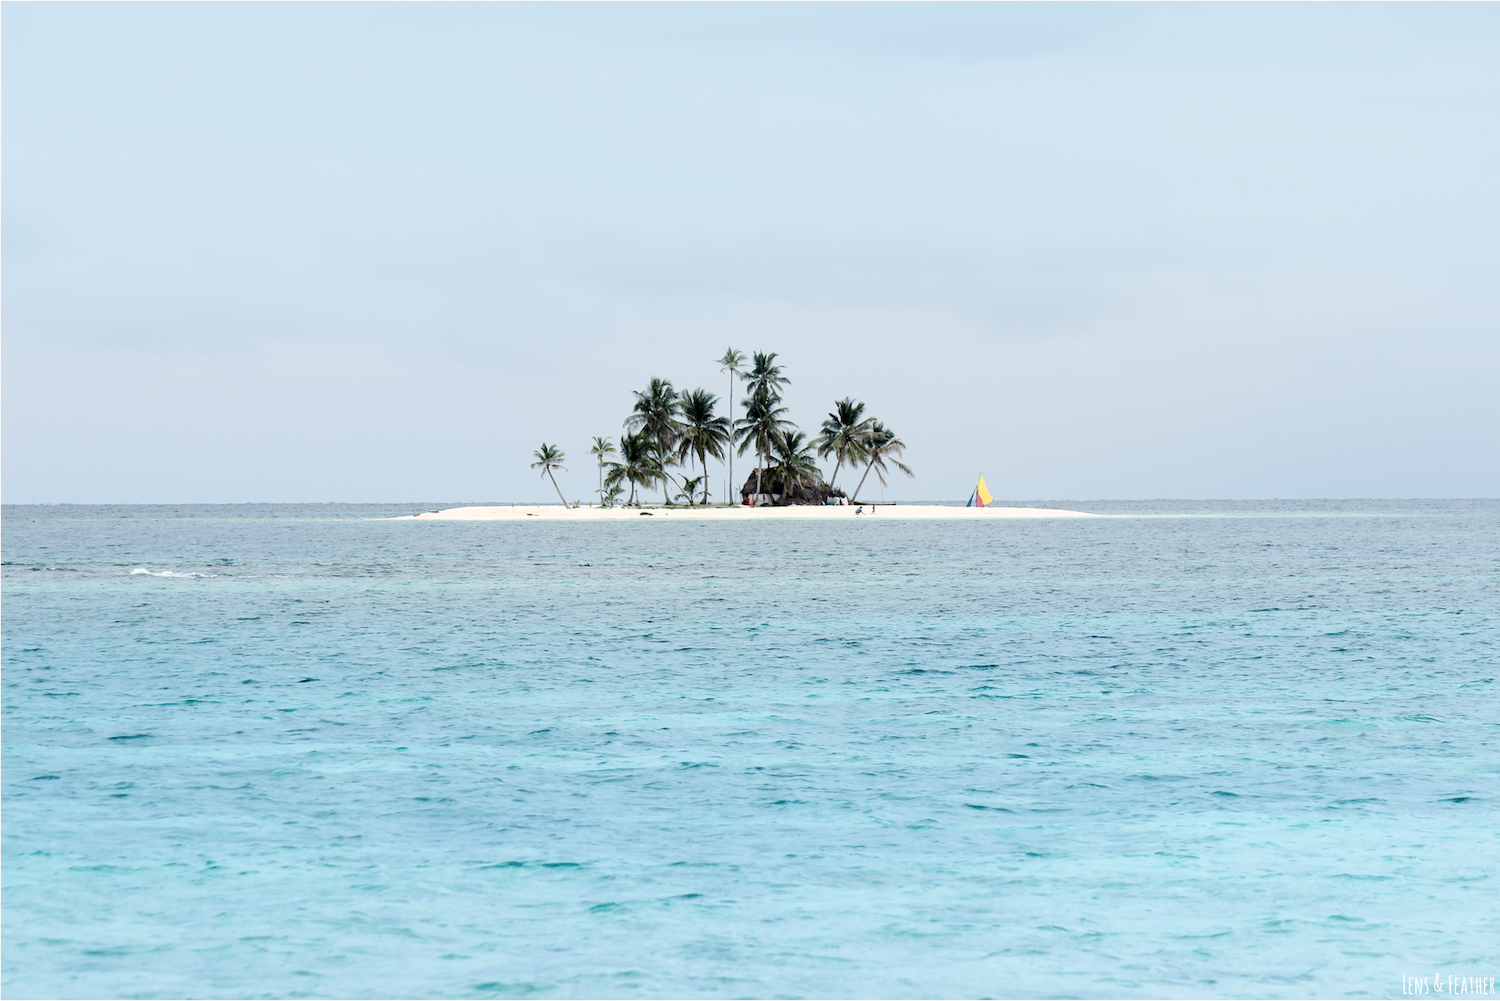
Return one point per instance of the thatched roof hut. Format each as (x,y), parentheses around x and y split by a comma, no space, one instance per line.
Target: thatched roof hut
(817,493)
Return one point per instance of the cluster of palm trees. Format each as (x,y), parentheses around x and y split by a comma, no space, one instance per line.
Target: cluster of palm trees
(668,430)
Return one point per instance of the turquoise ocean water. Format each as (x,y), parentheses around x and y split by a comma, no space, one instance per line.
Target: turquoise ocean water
(1197,750)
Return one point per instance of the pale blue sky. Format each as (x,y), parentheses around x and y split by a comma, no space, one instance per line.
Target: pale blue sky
(380,252)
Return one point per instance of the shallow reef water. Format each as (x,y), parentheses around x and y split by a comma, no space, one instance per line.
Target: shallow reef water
(1192,750)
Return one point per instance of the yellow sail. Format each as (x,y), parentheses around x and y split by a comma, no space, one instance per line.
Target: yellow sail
(981,495)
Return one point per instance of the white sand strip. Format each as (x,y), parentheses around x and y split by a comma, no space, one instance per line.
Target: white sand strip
(556,512)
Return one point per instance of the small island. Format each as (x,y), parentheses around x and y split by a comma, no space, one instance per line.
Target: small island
(669,436)
(884,512)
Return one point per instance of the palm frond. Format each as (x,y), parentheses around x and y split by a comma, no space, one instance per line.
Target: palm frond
(549,457)
(843,435)
(882,449)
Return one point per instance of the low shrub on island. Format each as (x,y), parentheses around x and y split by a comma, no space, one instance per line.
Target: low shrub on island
(669,431)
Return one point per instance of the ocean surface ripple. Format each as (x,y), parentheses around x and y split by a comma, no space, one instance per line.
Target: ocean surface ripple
(1197,750)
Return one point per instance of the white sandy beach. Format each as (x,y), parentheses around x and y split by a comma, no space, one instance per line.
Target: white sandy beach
(908,512)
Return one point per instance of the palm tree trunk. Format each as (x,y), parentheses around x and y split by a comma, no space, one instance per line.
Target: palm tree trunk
(666,478)
(557,488)
(862,480)
(730,498)
(667,482)
(703,463)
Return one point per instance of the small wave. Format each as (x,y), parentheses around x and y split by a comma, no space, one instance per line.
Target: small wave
(168,573)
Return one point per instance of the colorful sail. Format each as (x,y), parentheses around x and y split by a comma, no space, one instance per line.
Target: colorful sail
(981,495)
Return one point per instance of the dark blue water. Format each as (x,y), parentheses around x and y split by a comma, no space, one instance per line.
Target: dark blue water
(1199,750)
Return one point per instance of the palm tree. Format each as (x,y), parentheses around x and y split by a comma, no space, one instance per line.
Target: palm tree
(655,415)
(794,461)
(637,466)
(703,432)
(843,436)
(731,363)
(602,449)
(690,485)
(550,457)
(765,376)
(764,417)
(879,443)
